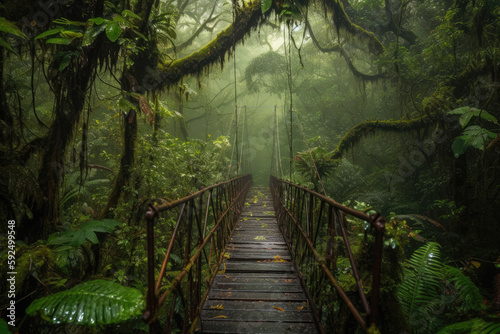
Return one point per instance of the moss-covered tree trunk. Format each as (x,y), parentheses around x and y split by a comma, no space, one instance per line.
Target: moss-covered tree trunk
(127,162)
(131,84)
(70,90)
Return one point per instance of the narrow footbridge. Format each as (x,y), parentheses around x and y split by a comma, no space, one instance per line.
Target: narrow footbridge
(232,258)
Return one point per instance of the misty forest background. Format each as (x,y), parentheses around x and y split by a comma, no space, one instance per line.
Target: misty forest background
(107,105)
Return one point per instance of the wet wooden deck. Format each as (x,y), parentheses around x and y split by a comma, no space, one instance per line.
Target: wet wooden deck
(257,289)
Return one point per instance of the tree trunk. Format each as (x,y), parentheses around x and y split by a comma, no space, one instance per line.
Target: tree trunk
(127,163)
(71,92)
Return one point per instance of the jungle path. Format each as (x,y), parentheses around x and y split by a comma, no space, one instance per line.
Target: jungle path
(257,289)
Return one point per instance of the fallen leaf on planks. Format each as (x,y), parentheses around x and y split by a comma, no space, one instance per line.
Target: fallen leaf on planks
(278,308)
(219,316)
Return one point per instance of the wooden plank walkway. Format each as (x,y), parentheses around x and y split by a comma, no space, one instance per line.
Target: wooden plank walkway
(257,289)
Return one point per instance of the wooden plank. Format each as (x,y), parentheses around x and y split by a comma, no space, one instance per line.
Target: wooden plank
(301,306)
(256,315)
(258,267)
(280,246)
(277,279)
(258,295)
(251,287)
(257,275)
(256,327)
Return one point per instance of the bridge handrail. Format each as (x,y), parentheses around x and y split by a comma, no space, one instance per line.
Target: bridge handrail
(289,200)
(225,201)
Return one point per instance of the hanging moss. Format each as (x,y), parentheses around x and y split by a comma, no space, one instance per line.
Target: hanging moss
(343,22)
(355,134)
(247,18)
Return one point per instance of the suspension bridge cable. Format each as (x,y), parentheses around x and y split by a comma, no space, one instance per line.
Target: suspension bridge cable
(276,165)
(222,148)
(235,89)
(274,146)
(279,146)
(242,156)
(231,162)
(288,61)
(247,147)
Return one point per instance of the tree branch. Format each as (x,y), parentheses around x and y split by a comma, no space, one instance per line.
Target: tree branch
(190,40)
(247,17)
(338,48)
(342,21)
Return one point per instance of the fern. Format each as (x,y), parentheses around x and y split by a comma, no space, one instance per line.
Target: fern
(469,297)
(475,325)
(422,278)
(96,302)
(86,232)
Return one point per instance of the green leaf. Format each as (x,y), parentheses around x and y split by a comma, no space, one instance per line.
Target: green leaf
(96,302)
(466,114)
(65,21)
(6,45)
(465,118)
(140,35)
(78,238)
(459,111)
(62,41)
(113,31)
(128,13)
(91,34)
(97,20)
(10,28)
(478,136)
(484,115)
(66,59)
(459,146)
(48,33)
(126,105)
(475,325)
(91,236)
(4,328)
(265,5)
(105,225)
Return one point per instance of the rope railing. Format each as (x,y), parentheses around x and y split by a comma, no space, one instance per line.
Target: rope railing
(199,227)
(313,226)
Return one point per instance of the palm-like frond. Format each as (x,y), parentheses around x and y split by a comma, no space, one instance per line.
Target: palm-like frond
(475,325)
(422,278)
(96,302)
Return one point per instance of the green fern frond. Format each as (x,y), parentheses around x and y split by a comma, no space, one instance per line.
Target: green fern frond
(475,325)
(468,292)
(86,232)
(96,302)
(422,278)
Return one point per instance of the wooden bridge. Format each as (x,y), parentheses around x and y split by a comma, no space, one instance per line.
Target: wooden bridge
(244,259)
(257,289)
